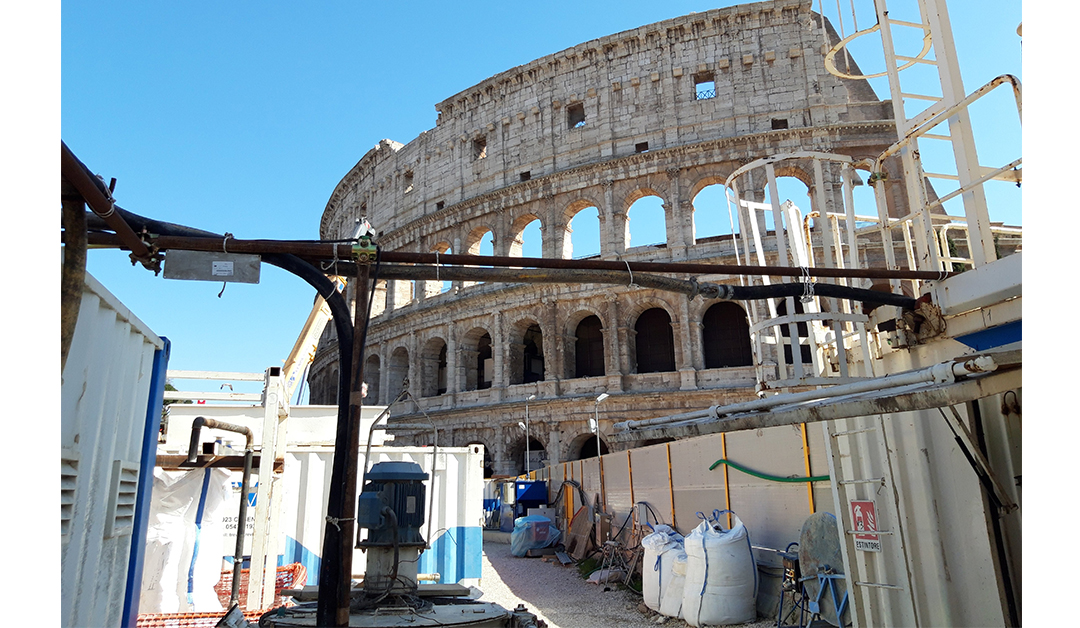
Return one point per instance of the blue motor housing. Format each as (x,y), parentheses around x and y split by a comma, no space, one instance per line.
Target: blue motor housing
(399,486)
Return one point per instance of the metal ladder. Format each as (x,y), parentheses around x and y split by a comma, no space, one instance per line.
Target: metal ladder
(879,583)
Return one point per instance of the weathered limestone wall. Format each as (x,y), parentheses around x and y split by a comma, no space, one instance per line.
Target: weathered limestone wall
(508,151)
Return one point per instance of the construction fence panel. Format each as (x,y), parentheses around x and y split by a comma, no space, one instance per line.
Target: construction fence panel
(652,483)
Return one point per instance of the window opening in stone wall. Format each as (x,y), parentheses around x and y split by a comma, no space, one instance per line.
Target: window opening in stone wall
(533,355)
(646,224)
(525,176)
(726,336)
(714,219)
(485,363)
(641,147)
(479,148)
(583,240)
(408,181)
(655,342)
(704,86)
(779,123)
(439,205)
(575,115)
(589,348)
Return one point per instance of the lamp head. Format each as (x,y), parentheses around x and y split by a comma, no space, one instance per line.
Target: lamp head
(530,398)
(521,425)
(602,397)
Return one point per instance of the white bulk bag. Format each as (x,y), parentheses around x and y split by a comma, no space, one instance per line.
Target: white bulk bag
(660,548)
(721,577)
(671,602)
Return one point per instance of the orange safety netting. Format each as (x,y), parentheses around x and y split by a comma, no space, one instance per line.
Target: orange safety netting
(292,576)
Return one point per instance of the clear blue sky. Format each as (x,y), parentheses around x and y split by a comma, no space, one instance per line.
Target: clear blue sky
(241,117)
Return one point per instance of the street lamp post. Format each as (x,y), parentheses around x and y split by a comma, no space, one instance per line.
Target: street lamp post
(596,420)
(527,433)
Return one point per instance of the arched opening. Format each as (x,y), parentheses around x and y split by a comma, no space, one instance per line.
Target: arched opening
(801,329)
(646,224)
(526,353)
(476,360)
(433,364)
(589,348)
(371,378)
(654,342)
(713,217)
(535,452)
(587,447)
(481,241)
(527,237)
(378,299)
(583,232)
(439,287)
(398,372)
(725,333)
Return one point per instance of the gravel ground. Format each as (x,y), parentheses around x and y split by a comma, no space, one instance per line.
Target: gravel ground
(562,598)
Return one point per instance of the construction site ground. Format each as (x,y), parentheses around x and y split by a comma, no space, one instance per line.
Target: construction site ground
(560,596)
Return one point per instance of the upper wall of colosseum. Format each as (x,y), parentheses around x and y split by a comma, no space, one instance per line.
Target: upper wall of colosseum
(723,73)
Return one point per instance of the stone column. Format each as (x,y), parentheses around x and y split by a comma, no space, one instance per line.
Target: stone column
(676,220)
(612,224)
(453,374)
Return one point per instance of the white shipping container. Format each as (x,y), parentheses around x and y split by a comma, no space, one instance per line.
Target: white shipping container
(106,413)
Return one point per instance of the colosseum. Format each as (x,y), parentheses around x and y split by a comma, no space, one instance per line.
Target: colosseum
(578,142)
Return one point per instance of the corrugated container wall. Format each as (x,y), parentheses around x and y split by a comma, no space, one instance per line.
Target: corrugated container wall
(107,387)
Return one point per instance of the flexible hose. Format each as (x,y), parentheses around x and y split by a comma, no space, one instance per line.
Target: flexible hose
(765,476)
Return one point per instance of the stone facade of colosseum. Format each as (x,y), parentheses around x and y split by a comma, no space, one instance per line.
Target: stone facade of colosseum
(664,110)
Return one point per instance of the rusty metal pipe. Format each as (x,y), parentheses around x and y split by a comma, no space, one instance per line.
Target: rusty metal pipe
(328,252)
(241,521)
(99,201)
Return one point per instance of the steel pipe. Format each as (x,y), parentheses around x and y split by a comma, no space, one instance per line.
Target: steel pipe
(100,201)
(337,251)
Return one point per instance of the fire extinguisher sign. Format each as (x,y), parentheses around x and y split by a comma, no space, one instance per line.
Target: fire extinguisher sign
(864,519)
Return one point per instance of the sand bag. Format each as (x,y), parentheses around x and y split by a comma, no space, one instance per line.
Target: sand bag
(671,602)
(721,577)
(660,548)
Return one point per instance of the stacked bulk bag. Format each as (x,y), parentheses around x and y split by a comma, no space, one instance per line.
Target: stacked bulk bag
(660,549)
(671,601)
(532,532)
(721,576)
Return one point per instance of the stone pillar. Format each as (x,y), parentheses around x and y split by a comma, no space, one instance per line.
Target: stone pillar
(612,224)
(676,220)
(554,446)
(453,374)
(498,355)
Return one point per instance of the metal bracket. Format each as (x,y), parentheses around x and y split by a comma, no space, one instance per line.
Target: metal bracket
(365,250)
